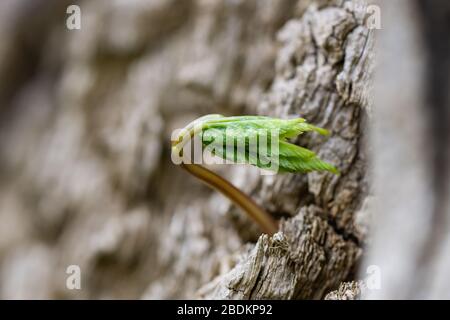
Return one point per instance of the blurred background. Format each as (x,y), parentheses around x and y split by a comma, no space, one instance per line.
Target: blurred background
(86,117)
(85,172)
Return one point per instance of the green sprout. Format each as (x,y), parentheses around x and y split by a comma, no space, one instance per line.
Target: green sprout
(255,140)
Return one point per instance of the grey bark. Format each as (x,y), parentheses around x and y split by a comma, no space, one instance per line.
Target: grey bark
(86,172)
(322,73)
(354,290)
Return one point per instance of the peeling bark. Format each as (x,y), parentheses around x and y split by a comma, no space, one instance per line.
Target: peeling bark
(303,261)
(348,291)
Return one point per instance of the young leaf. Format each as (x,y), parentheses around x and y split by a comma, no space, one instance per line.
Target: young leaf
(255,134)
(256,140)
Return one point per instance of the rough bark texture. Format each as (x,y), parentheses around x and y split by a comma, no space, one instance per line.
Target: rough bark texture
(303,260)
(321,73)
(348,291)
(86,176)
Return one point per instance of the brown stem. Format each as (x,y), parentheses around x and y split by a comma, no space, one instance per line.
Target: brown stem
(265,221)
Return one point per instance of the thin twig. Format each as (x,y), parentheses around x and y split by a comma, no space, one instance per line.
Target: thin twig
(264,220)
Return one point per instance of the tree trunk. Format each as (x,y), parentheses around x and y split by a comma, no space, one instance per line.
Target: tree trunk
(87,180)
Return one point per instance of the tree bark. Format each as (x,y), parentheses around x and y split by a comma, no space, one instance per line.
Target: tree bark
(322,74)
(86,171)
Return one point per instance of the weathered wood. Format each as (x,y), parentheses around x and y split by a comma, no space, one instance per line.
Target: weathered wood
(348,291)
(304,260)
(87,178)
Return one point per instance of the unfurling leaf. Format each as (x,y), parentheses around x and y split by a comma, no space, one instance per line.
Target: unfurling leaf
(260,141)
